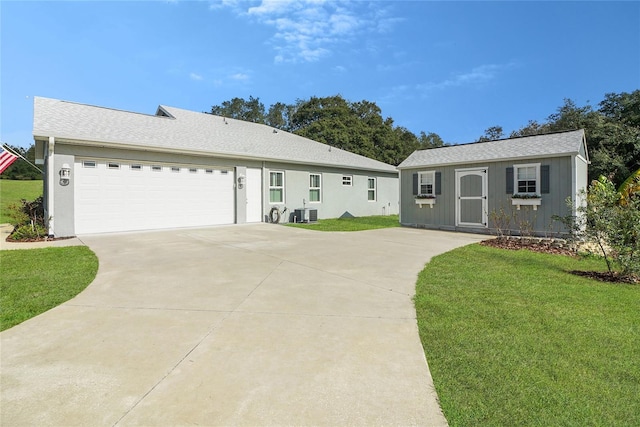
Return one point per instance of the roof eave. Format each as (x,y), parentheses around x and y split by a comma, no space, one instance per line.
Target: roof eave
(227,155)
(506,159)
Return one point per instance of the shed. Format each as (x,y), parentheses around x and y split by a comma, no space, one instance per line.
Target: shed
(516,185)
(108,170)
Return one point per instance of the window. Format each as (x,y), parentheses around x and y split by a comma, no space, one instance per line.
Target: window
(113,165)
(224,172)
(276,187)
(156,168)
(208,171)
(527,178)
(371,190)
(136,167)
(347,180)
(193,170)
(89,164)
(175,169)
(426,183)
(315,187)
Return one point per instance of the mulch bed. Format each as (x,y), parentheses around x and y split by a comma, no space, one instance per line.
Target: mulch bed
(38,239)
(516,244)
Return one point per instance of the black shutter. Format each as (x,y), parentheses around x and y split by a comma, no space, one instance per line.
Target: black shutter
(438,182)
(544,179)
(415,184)
(509,180)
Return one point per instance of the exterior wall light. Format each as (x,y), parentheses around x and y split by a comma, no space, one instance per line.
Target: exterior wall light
(65,174)
(241,182)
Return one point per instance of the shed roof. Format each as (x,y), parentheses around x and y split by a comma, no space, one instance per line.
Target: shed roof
(527,147)
(177,130)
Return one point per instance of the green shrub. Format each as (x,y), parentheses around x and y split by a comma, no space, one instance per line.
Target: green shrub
(28,232)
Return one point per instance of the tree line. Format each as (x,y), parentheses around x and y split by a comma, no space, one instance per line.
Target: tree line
(353,126)
(21,170)
(612,129)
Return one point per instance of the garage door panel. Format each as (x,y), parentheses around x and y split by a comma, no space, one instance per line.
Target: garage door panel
(108,200)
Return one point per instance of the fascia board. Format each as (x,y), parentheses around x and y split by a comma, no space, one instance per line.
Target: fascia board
(202,153)
(470,162)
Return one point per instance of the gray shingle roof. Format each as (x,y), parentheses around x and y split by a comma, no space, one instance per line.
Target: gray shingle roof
(188,132)
(549,145)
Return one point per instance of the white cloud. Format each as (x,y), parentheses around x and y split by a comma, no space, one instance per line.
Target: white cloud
(194,76)
(478,76)
(240,76)
(308,30)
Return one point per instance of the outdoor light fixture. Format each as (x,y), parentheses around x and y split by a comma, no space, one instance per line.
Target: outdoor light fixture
(241,182)
(65,174)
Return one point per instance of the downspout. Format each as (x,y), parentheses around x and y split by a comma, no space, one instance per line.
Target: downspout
(263,191)
(51,180)
(400,196)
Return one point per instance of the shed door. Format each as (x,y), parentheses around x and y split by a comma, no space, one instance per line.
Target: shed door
(471,197)
(112,196)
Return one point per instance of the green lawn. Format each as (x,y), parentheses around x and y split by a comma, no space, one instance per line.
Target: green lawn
(36,280)
(12,191)
(513,339)
(351,224)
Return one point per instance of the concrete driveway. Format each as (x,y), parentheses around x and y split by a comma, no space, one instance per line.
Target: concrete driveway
(240,325)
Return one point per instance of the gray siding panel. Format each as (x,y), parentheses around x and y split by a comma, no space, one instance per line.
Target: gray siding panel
(443,213)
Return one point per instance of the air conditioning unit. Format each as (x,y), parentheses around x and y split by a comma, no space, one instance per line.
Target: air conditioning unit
(305,215)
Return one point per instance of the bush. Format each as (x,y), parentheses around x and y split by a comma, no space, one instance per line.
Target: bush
(612,221)
(28,220)
(28,232)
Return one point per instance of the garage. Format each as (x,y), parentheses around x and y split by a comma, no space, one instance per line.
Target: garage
(113,195)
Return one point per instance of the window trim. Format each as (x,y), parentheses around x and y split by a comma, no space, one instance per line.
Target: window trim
(433,183)
(319,188)
(537,179)
(347,180)
(374,189)
(274,187)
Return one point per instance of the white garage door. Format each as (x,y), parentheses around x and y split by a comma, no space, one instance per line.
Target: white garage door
(122,196)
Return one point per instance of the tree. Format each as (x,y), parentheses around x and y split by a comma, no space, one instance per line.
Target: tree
(430,140)
(358,127)
(238,108)
(612,131)
(491,134)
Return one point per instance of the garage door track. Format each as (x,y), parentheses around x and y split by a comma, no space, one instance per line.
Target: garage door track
(240,325)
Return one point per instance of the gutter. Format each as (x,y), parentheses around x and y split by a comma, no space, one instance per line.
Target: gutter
(102,144)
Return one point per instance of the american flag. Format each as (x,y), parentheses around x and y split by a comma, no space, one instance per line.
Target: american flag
(6,159)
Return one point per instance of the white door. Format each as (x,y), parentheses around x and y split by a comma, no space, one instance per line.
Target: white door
(471,197)
(254,195)
(124,196)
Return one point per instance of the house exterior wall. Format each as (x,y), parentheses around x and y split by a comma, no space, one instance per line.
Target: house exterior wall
(442,215)
(336,199)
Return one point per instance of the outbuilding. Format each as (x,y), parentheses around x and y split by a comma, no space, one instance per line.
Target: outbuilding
(108,170)
(514,185)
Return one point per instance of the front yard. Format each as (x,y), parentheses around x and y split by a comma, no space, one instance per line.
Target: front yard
(512,338)
(36,280)
(351,224)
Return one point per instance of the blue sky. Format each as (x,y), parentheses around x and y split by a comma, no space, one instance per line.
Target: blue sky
(453,68)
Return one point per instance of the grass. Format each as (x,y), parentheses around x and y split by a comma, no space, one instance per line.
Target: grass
(513,339)
(13,191)
(36,280)
(351,224)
